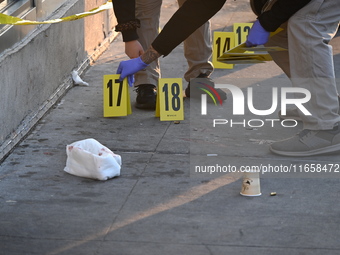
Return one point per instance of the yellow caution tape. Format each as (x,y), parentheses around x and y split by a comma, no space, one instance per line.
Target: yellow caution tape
(10,20)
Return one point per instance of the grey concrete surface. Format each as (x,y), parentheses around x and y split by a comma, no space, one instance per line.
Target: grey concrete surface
(36,71)
(156,206)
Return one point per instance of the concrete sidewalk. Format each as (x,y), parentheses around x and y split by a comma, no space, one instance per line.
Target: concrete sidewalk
(155,206)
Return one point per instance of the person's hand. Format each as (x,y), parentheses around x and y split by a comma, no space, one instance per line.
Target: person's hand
(133,49)
(129,67)
(257,35)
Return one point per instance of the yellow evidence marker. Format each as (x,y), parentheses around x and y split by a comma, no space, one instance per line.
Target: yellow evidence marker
(116,96)
(169,105)
(241,31)
(241,54)
(223,41)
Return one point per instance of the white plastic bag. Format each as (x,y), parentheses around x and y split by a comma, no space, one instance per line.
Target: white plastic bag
(88,158)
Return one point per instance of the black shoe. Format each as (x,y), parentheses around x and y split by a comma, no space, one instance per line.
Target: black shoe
(146,96)
(203,82)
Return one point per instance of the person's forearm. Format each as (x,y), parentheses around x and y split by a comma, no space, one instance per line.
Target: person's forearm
(150,55)
(127,23)
(124,10)
(184,22)
(191,15)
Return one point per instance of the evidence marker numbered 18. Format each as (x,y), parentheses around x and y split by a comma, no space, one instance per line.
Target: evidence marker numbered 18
(169,105)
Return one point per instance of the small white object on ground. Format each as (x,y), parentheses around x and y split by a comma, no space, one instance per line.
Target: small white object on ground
(90,159)
(77,80)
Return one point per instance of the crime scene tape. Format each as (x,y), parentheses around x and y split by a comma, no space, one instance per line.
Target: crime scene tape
(10,20)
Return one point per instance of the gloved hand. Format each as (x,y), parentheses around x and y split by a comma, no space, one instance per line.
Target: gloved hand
(129,67)
(257,35)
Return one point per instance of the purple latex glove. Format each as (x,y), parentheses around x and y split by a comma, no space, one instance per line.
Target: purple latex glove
(129,67)
(257,35)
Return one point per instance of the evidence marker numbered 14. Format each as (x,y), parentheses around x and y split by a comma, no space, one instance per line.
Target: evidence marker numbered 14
(223,41)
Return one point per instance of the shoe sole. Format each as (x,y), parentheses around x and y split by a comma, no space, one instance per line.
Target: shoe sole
(324,150)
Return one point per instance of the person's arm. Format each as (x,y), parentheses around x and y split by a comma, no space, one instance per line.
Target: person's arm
(129,67)
(190,16)
(127,24)
(272,19)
